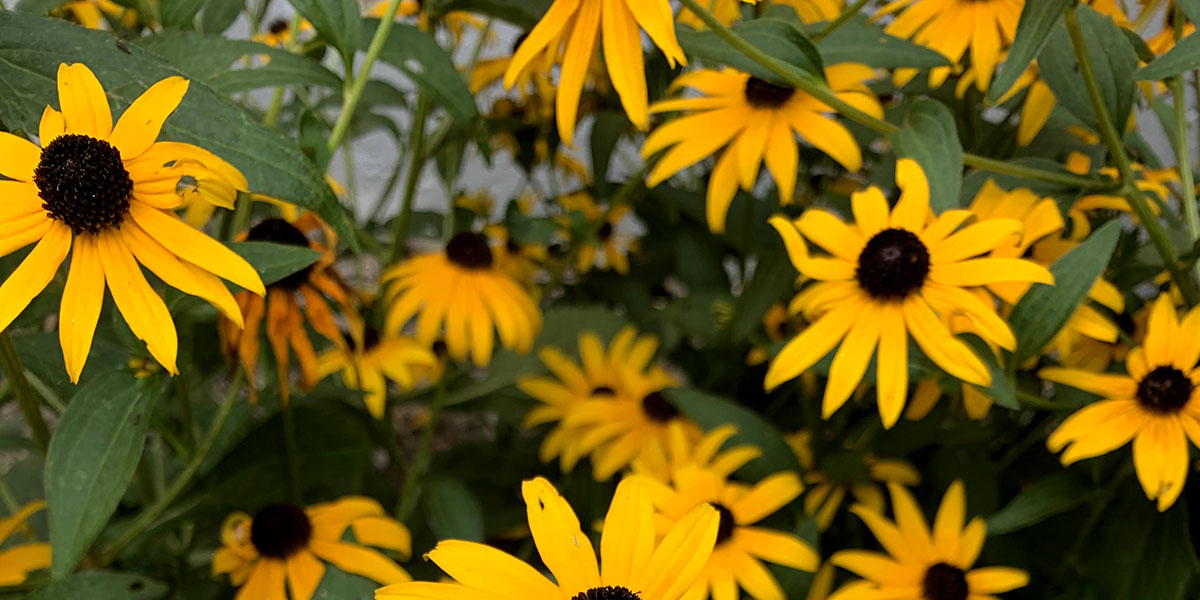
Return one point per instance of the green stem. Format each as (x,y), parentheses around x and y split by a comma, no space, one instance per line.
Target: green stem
(416,160)
(1033,401)
(30,406)
(358,83)
(1113,139)
(6,496)
(408,494)
(819,90)
(291,454)
(840,20)
(1183,155)
(276,106)
(984,163)
(351,179)
(148,516)
(240,219)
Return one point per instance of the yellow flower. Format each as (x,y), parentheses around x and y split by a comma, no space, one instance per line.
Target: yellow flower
(1151,181)
(367,360)
(950,27)
(924,565)
(575,25)
(1156,405)
(684,450)
(608,246)
(105,191)
(282,547)
(728,11)
(1036,108)
(754,121)
(523,262)
(291,302)
(632,565)
(741,547)
(91,13)
(17,561)
(465,289)
(891,276)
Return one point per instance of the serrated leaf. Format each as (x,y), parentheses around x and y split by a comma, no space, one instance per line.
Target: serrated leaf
(857,41)
(211,57)
(453,511)
(93,454)
(1044,309)
(1185,56)
(1050,496)
(710,412)
(1038,19)
(338,21)
(31,49)
(275,261)
(429,66)
(930,137)
(101,585)
(773,36)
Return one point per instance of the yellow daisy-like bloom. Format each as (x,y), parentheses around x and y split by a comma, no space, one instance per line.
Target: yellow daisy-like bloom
(950,27)
(105,192)
(90,13)
(684,450)
(892,275)
(574,26)
(924,565)
(632,565)
(281,549)
(611,406)
(825,496)
(278,33)
(524,262)
(18,561)
(367,361)
(1156,405)
(291,302)
(728,11)
(755,121)
(464,289)
(609,246)
(741,547)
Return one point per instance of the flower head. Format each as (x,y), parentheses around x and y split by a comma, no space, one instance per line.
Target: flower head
(368,360)
(951,27)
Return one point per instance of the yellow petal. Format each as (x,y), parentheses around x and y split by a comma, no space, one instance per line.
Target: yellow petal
(141,123)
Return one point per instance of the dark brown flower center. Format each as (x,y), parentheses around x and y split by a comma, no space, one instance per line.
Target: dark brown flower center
(470,251)
(83,183)
(945,582)
(279,231)
(280,530)
(608,592)
(726,524)
(764,94)
(1164,390)
(658,409)
(893,265)
(278,26)
(605,232)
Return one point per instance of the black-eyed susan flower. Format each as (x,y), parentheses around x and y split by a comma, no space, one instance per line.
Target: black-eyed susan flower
(464,292)
(574,26)
(825,496)
(684,450)
(17,561)
(728,11)
(892,275)
(633,563)
(524,262)
(741,546)
(455,21)
(280,552)
(604,241)
(755,121)
(920,564)
(951,27)
(292,302)
(104,192)
(609,405)
(1156,405)
(368,360)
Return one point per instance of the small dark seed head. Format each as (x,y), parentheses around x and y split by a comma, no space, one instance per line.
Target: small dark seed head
(1164,390)
(280,530)
(608,592)
(83,183)
(470,251)
(727,523)
(945,582)
(605,232)
(764,94)
(656,406)
(893,265)
(278,26)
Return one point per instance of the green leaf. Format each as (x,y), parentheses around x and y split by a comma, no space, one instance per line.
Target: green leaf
(1113,59)
(430,67)
(210,58)
(219,15)
(774,277)
(275,261)
(1046,498)
(179,14)
(1044,309)
(522,13)
(100,585)
(1001,391)
(32,48)
(1191,8)
(41,355)
(1185,56)
(340,585)
(92,457)
(38,7)
(454,513)
(930,137)
(710,412)
(775,37)
(338,21)
(1058,68)
(857,41)
(607,130)
(1033,31)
